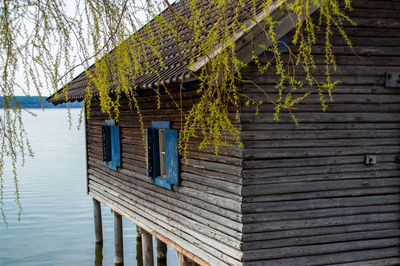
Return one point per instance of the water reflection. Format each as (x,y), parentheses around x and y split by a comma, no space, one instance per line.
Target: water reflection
(53,196)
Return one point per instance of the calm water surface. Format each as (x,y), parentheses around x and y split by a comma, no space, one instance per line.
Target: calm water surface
(57,219)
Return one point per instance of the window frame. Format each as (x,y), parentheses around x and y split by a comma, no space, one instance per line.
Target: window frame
(153,159)
(111,141)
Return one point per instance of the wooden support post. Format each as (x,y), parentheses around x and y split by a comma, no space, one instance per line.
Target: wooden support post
(139,252)
(98,259)
(118,240)
(185,261)
(138,234)
(98,228)
(147,246)
(161,253)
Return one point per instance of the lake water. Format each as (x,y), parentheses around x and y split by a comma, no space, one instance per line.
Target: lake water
(57,219)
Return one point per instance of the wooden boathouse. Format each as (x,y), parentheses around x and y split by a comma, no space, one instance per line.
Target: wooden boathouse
(325,192)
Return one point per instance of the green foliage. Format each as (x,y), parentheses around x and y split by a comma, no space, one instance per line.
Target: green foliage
(213,32)
(44,42)
(14,145)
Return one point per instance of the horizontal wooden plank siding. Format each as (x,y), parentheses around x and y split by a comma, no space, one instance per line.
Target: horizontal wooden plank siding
(202,215)
(309,198)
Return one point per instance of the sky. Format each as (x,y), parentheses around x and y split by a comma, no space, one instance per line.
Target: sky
(70,8)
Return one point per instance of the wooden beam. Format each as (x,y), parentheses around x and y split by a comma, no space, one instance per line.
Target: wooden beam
(257,37)
(185,261)
(248,40)
(147,247)
(240,35)
(181,250)
(118,239)
(98,228)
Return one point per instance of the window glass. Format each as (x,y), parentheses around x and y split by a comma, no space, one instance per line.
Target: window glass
(161,141)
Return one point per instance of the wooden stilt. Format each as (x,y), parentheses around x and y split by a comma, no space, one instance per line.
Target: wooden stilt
(161,253)
(98,259)
(139,252)
(98,228)
(138,234)
(185,261)
(118,240)
(147,246)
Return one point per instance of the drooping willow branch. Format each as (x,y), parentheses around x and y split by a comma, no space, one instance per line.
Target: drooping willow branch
(43,42)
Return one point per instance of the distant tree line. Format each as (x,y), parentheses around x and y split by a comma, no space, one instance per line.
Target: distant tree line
(39,102)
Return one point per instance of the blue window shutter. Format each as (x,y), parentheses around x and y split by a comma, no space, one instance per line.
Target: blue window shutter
(172,159)
(149,155)
(282,44)
(156,157)
(115,146)
(106,138)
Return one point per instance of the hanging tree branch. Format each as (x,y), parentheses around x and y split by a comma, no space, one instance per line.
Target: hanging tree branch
(42,40)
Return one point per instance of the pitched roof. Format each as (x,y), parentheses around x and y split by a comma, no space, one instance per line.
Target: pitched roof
(176,69)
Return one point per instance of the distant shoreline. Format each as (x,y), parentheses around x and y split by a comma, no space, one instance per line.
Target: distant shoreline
(54,107)
(34,102)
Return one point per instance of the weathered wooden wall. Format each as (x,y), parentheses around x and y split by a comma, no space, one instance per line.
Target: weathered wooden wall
(308,196)
(304,193)
(202,215)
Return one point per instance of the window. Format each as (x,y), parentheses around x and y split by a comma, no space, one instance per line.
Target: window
(162,154)
(111,145)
